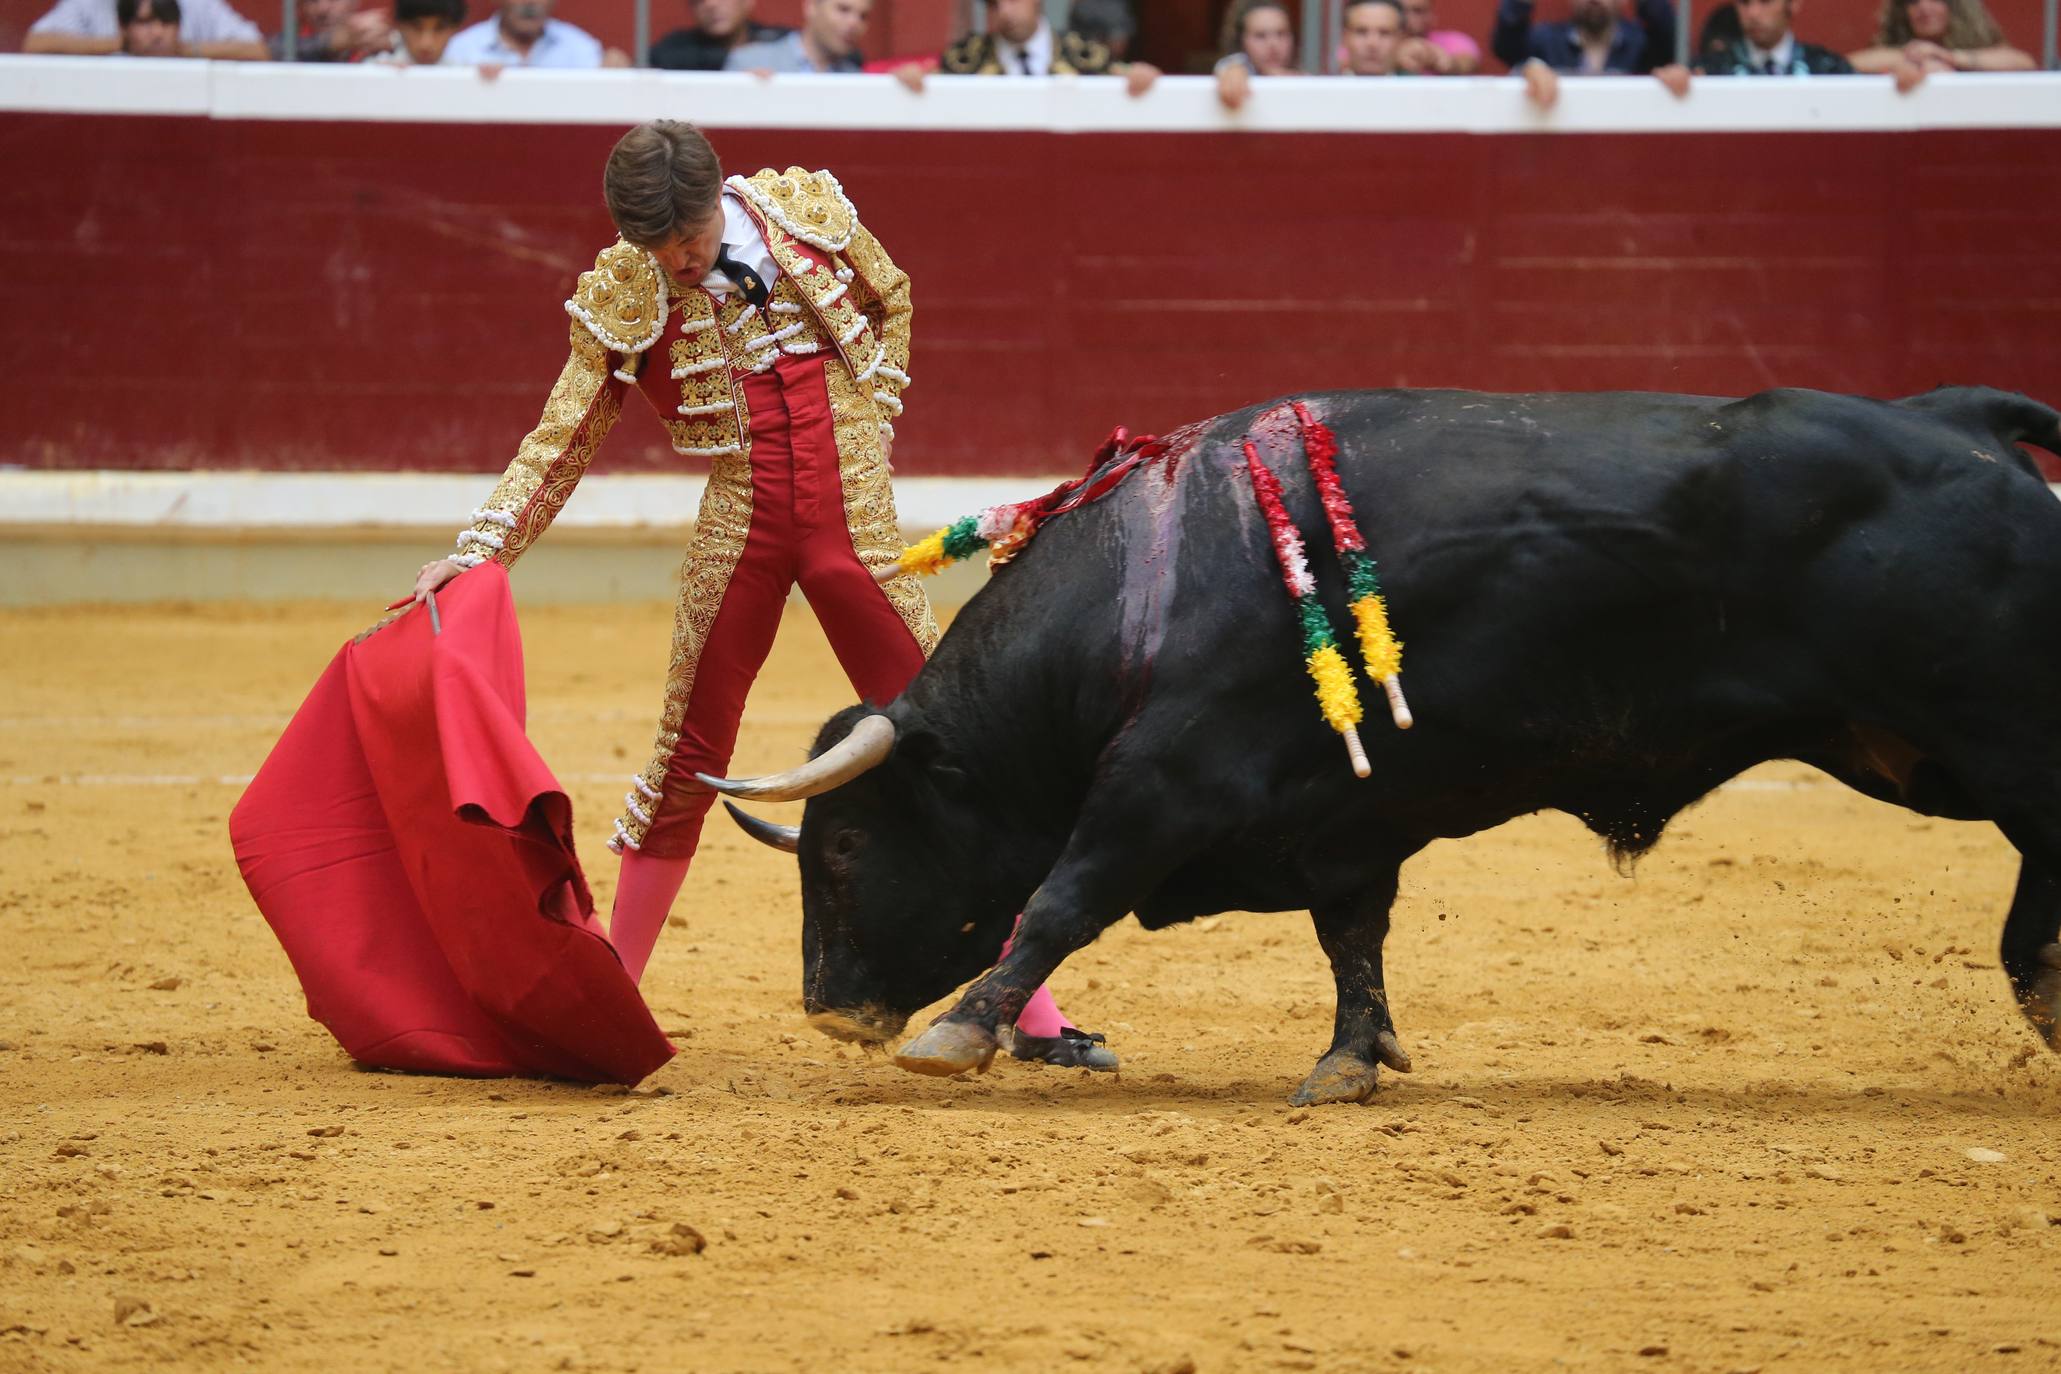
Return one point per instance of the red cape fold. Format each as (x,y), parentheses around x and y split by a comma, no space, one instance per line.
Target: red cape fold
(415,857)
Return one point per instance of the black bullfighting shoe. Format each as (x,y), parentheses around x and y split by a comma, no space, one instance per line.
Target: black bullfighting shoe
(1070,1049)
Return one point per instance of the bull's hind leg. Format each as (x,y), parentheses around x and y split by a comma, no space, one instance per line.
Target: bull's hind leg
(1363,1037)
(2032,949)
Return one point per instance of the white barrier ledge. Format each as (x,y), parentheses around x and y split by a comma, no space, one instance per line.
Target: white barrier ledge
(1482,105)
(439,503)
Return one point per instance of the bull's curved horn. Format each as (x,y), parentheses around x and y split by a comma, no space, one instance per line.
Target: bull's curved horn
(782,837)
(868,745)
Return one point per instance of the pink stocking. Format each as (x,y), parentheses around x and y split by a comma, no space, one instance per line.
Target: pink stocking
(643,896)
(1041,1015)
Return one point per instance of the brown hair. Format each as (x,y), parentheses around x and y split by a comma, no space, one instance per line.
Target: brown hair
(1968,26)
(661,178)
(1232,39)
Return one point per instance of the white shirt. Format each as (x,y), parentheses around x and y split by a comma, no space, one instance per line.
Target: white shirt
(560,45)
(1039,49)
(741,237)
(200,21)
(1782,54)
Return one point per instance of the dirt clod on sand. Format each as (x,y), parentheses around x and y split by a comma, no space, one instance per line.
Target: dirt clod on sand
(1769,1105)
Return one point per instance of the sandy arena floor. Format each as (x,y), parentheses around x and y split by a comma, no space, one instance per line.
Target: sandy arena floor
(1765,1106)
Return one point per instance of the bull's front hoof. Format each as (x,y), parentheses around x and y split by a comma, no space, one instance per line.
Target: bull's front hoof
(947,1048)
(864,1026)
(1338,1077)
(2042,1004)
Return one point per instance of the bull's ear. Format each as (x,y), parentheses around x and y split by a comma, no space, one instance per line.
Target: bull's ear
(924,753)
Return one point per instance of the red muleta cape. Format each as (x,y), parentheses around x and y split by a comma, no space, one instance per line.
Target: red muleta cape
(415,857)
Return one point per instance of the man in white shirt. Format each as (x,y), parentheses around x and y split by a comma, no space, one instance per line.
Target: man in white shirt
(207,28)
(523,34)
(828,41)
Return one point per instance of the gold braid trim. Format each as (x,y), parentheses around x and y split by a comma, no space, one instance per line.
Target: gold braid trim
(581,409)
(809,205)
(622,300)
(882,294)
(720,529)
(869,501)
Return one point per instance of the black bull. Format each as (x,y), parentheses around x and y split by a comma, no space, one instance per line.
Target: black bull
(1611,605)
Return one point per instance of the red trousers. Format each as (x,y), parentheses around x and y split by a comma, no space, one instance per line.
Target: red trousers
(798,534)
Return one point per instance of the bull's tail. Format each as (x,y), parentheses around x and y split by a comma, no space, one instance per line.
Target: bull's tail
(2011,417)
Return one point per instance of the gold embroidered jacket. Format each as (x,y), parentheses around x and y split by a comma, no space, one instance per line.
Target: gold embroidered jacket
(838,291)
(1072,55)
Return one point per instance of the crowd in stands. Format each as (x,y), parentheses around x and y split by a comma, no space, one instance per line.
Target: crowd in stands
(1379,38)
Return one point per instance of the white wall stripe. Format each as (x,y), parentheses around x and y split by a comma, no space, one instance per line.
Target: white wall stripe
(374,92)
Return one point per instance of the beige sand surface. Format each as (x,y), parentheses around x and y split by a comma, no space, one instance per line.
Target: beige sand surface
(1715,1117)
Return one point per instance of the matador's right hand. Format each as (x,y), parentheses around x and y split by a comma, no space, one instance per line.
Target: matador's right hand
(432,576)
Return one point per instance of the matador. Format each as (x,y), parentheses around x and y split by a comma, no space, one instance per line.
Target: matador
(770,331)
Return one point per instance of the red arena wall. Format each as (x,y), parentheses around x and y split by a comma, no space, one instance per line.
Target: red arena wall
(300,295)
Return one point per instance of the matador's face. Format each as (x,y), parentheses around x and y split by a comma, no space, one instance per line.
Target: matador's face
(688,255)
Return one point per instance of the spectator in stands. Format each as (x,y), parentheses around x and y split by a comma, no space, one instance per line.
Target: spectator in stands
(1431,49)
(1597,41)
(1767,46)
(720,27)
(422,30)
(330,32)
(207,28)
(522,33)
(1258,40)
(1373,37)
(828,41)
(150,28)
(1020,43)
(1108,22)
(1923,36)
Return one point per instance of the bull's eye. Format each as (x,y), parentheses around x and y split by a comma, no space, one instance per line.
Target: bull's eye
(845,845)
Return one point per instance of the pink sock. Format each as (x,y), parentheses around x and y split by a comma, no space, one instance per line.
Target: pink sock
(643,896)
(1041,1015)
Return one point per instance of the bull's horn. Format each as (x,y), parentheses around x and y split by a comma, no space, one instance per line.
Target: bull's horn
(783,837)
(868,745)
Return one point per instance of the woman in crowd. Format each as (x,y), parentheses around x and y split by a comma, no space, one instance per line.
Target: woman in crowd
(1258,40)
(1939,36)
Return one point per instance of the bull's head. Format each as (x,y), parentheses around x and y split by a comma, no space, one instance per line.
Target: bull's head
(903,898)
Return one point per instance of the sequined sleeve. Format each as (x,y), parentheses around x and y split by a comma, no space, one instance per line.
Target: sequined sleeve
(881,291)
(583,405)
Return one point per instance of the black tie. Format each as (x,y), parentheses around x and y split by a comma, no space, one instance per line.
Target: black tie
(742,277)
(1023,56)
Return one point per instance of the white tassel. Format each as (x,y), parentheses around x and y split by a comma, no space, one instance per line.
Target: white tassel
(650,792)
(887,431)
(696,326)
(630,801)
(717,452)
(894,407)
(468,560)
(802,349)
(785,308)
(844,274)
(696,369)
(893,374)
(858,328)
(743,319)
(492,541)
(828,298)
(713,408)
(498,517)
